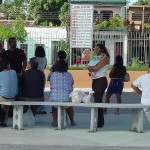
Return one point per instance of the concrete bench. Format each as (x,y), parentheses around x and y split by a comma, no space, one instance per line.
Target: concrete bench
(136,122)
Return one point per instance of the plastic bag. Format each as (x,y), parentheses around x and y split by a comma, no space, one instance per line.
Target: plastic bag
(87,98)
(77,96)
(28,118)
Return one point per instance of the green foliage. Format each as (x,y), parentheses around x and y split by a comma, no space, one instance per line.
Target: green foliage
(136,66)
(40,10)
(78,67)
(64,15)
(103,25)
(147,27)
(17,30)
(142,2)
(114,22)
(14,9)
(62,45)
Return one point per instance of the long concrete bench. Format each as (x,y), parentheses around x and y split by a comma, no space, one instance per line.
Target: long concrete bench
(136,122)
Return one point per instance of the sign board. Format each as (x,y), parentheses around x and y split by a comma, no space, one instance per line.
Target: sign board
(81,26)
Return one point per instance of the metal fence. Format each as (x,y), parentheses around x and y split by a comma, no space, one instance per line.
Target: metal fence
(128,44)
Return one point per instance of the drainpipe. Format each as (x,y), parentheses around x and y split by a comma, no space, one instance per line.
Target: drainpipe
(143,19)
(125,48)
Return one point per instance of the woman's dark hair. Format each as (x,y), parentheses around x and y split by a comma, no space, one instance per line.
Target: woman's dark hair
(39,52)
(61,66)
(3,64)
(104,49)
(61,55)
(119,62)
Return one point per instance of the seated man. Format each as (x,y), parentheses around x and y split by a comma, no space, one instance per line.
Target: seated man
(32,84)
(8,89)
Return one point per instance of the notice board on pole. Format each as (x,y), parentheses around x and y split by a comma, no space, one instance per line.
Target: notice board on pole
(81,29)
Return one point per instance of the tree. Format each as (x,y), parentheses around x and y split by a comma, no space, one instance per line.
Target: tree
(64,15)
(17,30)
(45,11)
(142,2)
(15,8)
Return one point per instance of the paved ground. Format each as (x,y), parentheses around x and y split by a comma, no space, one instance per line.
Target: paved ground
(114,136)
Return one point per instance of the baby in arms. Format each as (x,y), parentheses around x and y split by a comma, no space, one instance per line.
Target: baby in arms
(94,61)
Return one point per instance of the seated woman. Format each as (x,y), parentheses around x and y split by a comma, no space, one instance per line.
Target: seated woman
(8,89)
(32,84)
(61,85)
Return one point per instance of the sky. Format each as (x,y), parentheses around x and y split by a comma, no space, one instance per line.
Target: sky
(132,1)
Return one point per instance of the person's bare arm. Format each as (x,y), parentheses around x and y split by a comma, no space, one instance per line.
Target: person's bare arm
(136,89)
(24,66)
(99,65)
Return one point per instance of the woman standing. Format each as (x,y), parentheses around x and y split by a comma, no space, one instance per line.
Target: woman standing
(61,84)
(116,84)
(99,80)
(42,62)
(40,56)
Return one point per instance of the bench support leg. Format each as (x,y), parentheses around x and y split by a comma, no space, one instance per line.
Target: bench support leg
(137,120)
(61,117)
(18,117)
(94,117)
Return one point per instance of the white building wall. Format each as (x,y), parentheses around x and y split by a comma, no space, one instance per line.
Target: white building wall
(40,35)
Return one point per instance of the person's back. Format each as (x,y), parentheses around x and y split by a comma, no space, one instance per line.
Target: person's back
(40,56)
(8,84)
(32,83)
(61,83)
(8,89)
(144,82)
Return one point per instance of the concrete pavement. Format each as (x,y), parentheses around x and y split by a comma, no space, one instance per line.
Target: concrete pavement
(115,135)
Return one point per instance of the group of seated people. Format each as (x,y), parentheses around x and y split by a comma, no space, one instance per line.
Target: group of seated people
(30,86)
(32,83)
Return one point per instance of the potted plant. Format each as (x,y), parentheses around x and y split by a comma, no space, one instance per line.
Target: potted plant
(114,23)
(103,25)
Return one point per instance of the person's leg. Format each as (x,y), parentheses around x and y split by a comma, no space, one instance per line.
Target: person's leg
(70,113)
(107,100)
(118,97)
(4,115)
(54,113)
(99,86)
(34,109)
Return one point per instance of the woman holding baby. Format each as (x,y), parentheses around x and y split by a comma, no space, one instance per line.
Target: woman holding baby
(98,74)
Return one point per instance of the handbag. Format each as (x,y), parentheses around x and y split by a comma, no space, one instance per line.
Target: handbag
(126,77)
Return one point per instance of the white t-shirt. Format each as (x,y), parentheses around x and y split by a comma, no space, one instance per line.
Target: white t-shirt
(42,62)
(144,82)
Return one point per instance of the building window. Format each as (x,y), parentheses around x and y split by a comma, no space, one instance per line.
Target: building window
(106,15)
(36,45)
(24,47)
